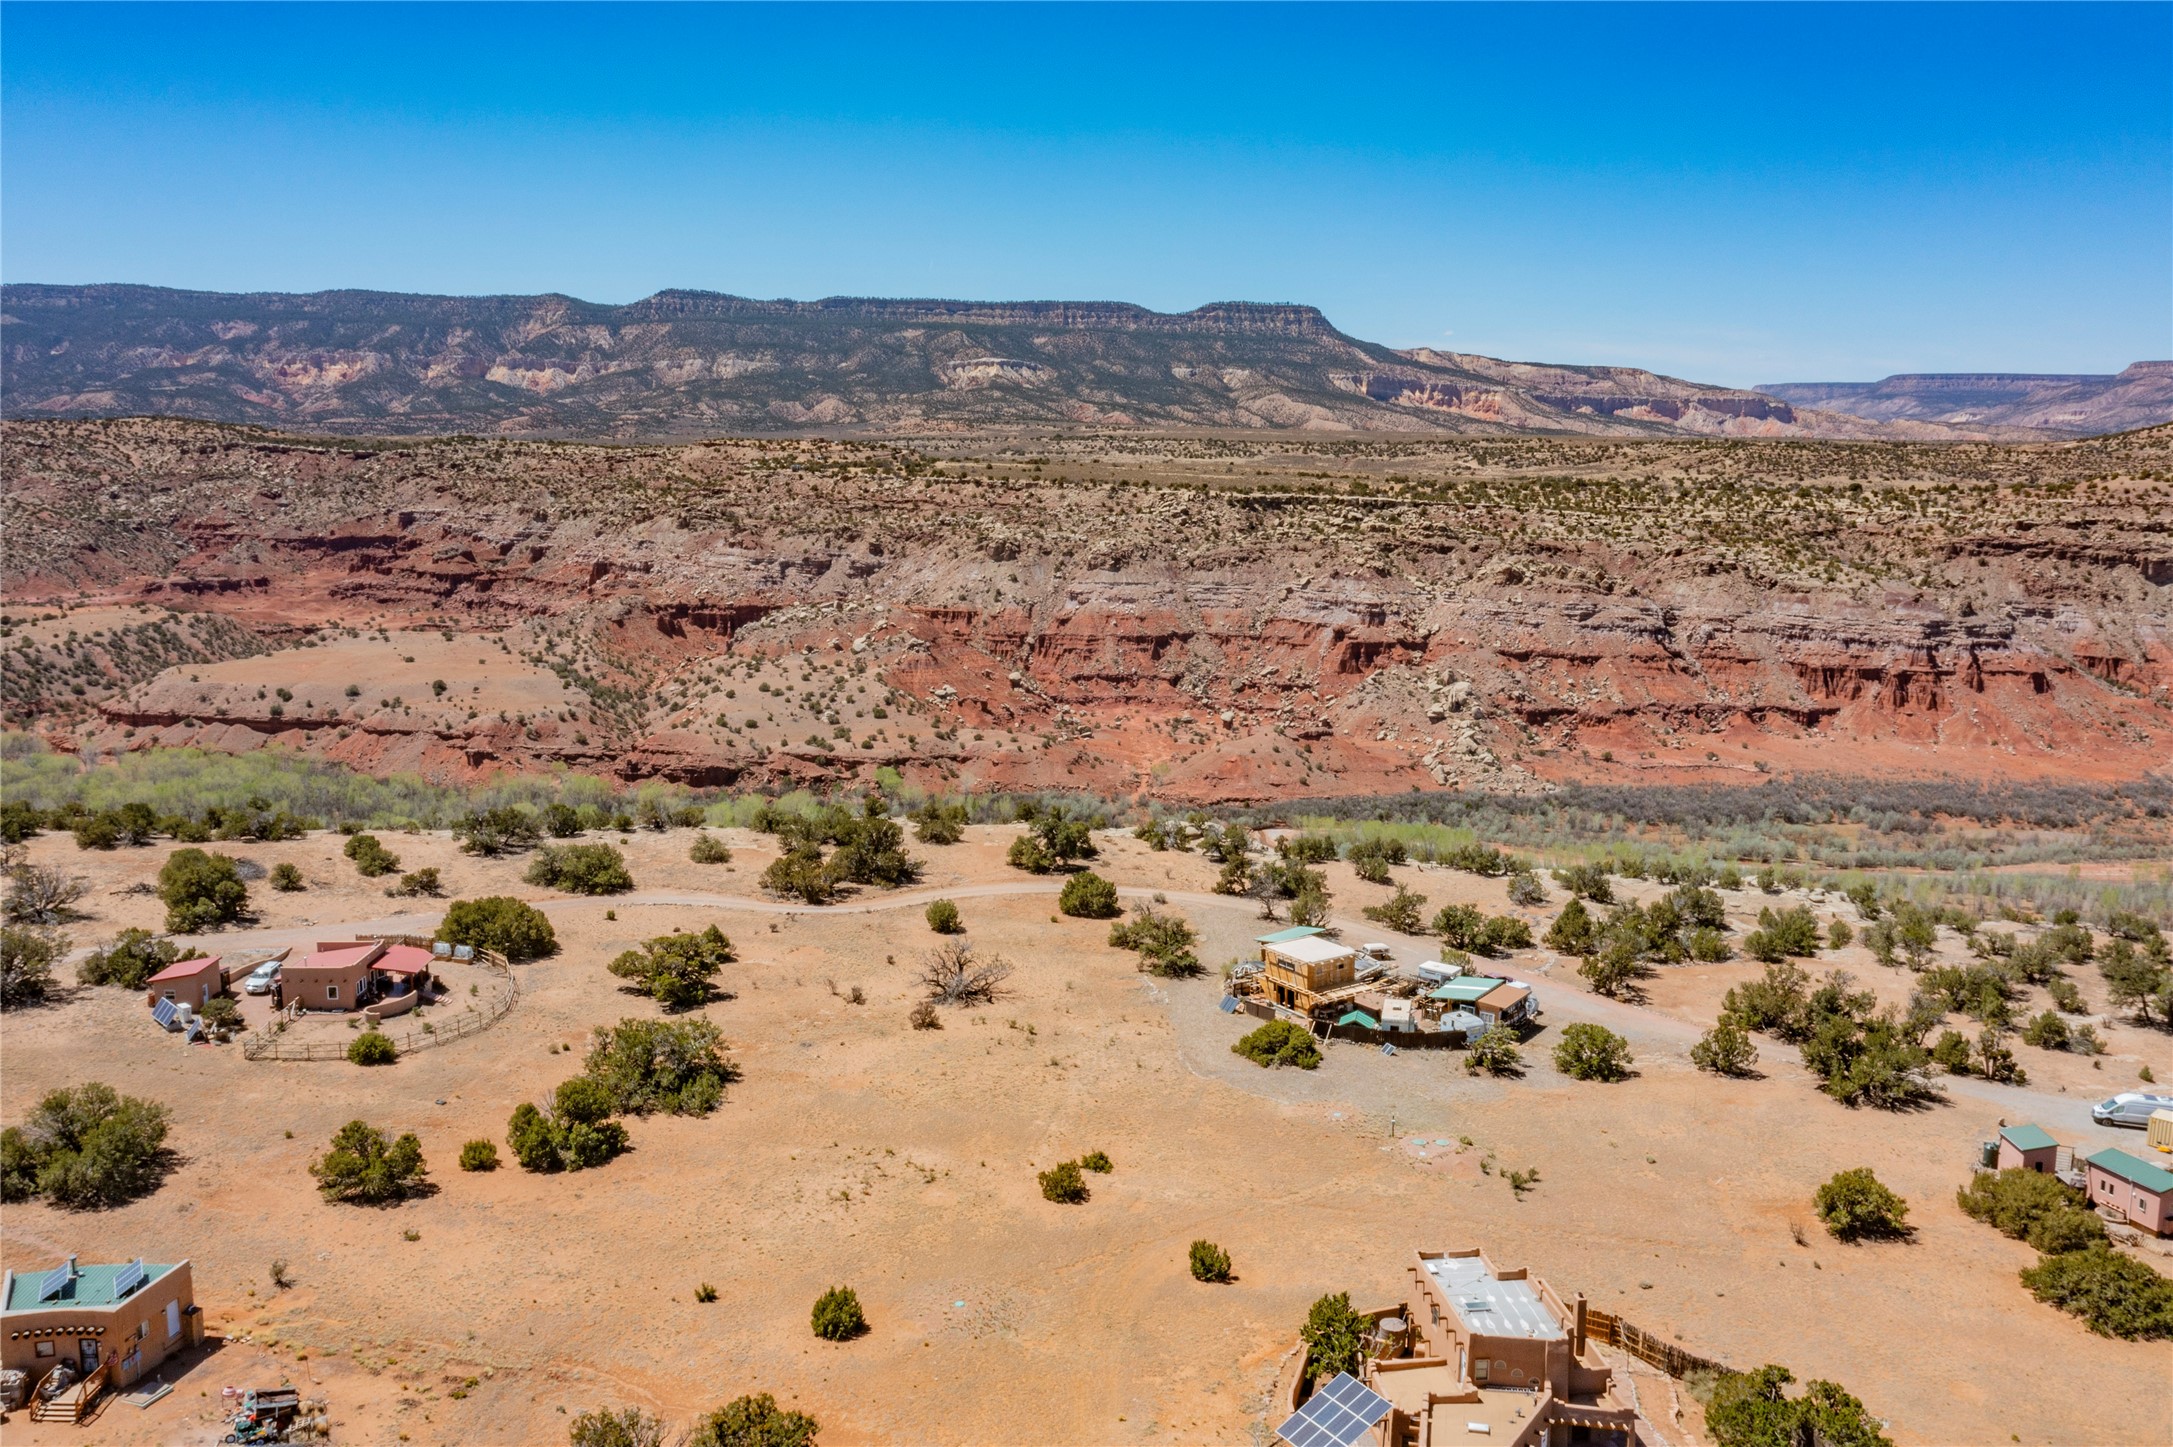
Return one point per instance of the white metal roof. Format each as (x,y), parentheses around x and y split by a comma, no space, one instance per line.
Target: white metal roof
(1313,951)
(1489,1306)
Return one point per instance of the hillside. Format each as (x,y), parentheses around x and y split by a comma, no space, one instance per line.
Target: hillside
(2140,396)
(685,364)
(1208,619)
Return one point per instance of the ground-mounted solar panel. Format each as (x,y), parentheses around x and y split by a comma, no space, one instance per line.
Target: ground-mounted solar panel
(163,1012)
(55,1282)
(128,1278)
(1338,1414)
(1229,1004)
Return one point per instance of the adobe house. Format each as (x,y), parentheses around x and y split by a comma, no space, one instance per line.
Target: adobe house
(2028,1147)
(1300,965)
(187,982)
(2128,1188)
(1480,1354)
(330,977)
(125,1319)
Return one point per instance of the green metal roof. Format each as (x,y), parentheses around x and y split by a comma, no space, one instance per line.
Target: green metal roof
(1359,1017)
(1468,988)
(2133,1170)
(92,1286)
(2027,1137)
(1285,936)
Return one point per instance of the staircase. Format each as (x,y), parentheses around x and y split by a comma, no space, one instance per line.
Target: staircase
(73,1404)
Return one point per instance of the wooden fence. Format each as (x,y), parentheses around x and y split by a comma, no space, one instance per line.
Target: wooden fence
(271,1043)
(1658,1351)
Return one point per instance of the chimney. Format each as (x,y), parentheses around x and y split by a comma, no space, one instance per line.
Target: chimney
(1578,1350)
(72,1272)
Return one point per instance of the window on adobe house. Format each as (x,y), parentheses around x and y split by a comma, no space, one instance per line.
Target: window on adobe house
(331,992)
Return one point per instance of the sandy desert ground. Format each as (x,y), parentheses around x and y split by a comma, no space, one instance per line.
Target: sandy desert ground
(858,1151)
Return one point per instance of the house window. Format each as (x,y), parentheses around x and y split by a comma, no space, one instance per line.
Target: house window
(331,992)
(45,1348)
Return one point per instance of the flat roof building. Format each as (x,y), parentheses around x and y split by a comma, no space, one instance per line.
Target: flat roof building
(2131,1189)
(110,1324)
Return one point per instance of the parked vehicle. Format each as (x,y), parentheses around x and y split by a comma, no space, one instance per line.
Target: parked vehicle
(261,978)
(2130,1109)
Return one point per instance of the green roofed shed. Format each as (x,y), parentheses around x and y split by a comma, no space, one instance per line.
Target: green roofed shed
(1359,1017)
(2028,1138)
(1285,936)
(2134,1170)
(1467,989)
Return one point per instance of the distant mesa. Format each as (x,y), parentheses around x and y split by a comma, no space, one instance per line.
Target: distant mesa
(694,363)
(2082,404)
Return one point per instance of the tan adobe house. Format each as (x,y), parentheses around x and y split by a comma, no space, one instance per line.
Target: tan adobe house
(111,1325)
(384,977)
(1480,1354)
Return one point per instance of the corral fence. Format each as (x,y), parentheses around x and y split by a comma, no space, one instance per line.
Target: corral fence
(1658,1351)
(271,1043)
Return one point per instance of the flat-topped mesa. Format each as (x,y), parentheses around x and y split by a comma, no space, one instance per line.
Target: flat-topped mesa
(1231,317)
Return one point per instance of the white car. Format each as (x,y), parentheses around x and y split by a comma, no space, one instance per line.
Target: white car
(260,979)
(2130,1108)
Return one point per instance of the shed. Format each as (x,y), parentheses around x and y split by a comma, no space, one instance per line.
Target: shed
(1359,1018)
(2131,1189)
(186,982)
(2027,1146)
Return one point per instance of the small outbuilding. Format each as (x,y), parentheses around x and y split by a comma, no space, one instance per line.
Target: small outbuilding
(126,1318)
(2128,1188)
(187,982)
(2029,1147)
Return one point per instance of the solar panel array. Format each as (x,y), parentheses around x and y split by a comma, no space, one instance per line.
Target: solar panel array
(163,1012)
(56,1281)
(1341,1412)
(128,1278)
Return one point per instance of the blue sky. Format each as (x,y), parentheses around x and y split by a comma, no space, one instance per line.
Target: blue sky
(1732,193)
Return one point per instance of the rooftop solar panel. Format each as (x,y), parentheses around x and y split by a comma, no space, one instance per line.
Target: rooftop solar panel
(56,1281)
(128,1278)
(1341,1412)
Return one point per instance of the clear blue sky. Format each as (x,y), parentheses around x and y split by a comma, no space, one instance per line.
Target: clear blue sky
(1732,193)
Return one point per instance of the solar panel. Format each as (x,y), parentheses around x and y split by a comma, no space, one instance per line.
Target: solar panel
(56,1281)
(128,1278)
(1229,1004)
(163,1012)
(1342,1411)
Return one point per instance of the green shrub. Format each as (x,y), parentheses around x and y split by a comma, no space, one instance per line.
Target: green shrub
(1335,1338)
(2047,1032)
(1401,911)
(1088,896)
(1278,1043)
(27,957)
(1209,1262)
(562,821)
(799,873)
(1783,934)
(372,1047)
(1028,853)
(133,958)
(86,1147)
(939,823)
(479,1155)
(2016,1200)
(1751,1409)
(1951,1052)
(705,1293)
(1726,1049)
(499,830)
(1855,1206)
(371,858)
(1494,1052)
(631,1427)
(577,1134)
(515,929)
(943,917)
(754,1421)
(1592,1052)
(837,1315)
(420,883)
(1097,1162)
(709,849)
(675,1066)
(1572,930)
(1526,890)
(287,879)
(1307,848)
(580,869)
(1163,942)
(201,890)
(1586,881)
(678,971)
(220,1013)
(2112,1294)
(367,1168)
(1064,1184)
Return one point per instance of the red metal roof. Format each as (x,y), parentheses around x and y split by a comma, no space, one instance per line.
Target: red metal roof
(333,959)
(402,960)
(185,969)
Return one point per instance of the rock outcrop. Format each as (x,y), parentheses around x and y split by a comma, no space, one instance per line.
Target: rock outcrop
(1124,617)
